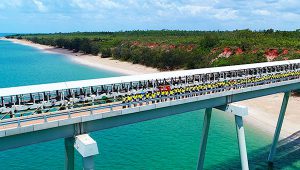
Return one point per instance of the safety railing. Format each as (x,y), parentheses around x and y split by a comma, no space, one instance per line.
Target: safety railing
(91,109)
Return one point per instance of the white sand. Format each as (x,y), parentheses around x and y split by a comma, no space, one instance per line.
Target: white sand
(263,111)
(93,61)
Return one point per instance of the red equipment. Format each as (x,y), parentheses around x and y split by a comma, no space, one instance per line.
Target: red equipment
(164,88)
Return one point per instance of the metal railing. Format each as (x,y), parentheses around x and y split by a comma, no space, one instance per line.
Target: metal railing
(69,112)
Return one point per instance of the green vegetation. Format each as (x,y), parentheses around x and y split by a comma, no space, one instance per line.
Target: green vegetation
(169,50)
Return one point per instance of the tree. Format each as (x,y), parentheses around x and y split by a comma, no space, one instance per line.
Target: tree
(176,49)
(269,31)
(105,53)
(85,46)
(75,43)
(209,41)
(95,48)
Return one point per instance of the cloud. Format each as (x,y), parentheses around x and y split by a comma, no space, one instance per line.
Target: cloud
(82,4)
(10,4)
(290,16)
(15,3)
(226,14)
(110,4)
(195,9)
(262,12)
(89,15)
(40,6)
(95,4)
(209,11)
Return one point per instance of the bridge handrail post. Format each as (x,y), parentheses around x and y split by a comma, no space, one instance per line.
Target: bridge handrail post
(19,122)
(45,118)
(69,113)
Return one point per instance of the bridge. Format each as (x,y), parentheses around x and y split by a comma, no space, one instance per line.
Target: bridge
(71,110)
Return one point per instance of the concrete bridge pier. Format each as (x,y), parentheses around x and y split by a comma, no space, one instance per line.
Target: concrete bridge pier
(241,141)
(88,163)
(204,137)
(87,148)
(239,112)
(69,153)
(278,127)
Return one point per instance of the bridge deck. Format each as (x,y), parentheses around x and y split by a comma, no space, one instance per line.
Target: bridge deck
(18,132)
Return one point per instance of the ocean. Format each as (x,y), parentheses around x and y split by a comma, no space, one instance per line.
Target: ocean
(5,34)
(166,143)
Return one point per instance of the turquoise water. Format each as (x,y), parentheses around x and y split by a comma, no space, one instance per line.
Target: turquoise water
(167,143)
(5,34)
(23,65)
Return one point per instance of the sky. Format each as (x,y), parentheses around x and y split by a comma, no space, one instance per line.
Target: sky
(47,16)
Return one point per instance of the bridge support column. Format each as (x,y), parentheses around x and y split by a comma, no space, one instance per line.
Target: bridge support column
(204,137)
(88,148)
(278,127)
(239,112)
(88,163)
(69,152)
(242,141)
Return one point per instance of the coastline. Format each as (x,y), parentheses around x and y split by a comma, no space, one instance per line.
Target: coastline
(91,60)
(263,111)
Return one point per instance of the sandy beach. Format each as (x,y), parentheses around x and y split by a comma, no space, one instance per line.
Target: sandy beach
(93,61)
(263,111)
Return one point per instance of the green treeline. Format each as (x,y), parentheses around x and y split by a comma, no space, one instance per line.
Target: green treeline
(169,50)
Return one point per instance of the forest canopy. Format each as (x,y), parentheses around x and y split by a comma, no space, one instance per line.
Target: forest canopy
(171,49)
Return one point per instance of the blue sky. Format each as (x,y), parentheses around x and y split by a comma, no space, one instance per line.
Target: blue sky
(115,15)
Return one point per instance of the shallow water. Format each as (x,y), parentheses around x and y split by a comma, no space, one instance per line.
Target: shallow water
(166,143)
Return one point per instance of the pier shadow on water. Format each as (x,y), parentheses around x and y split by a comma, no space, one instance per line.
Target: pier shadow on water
(287,157)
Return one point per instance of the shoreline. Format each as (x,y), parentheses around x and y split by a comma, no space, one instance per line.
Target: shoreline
(108,64)
(263,111)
